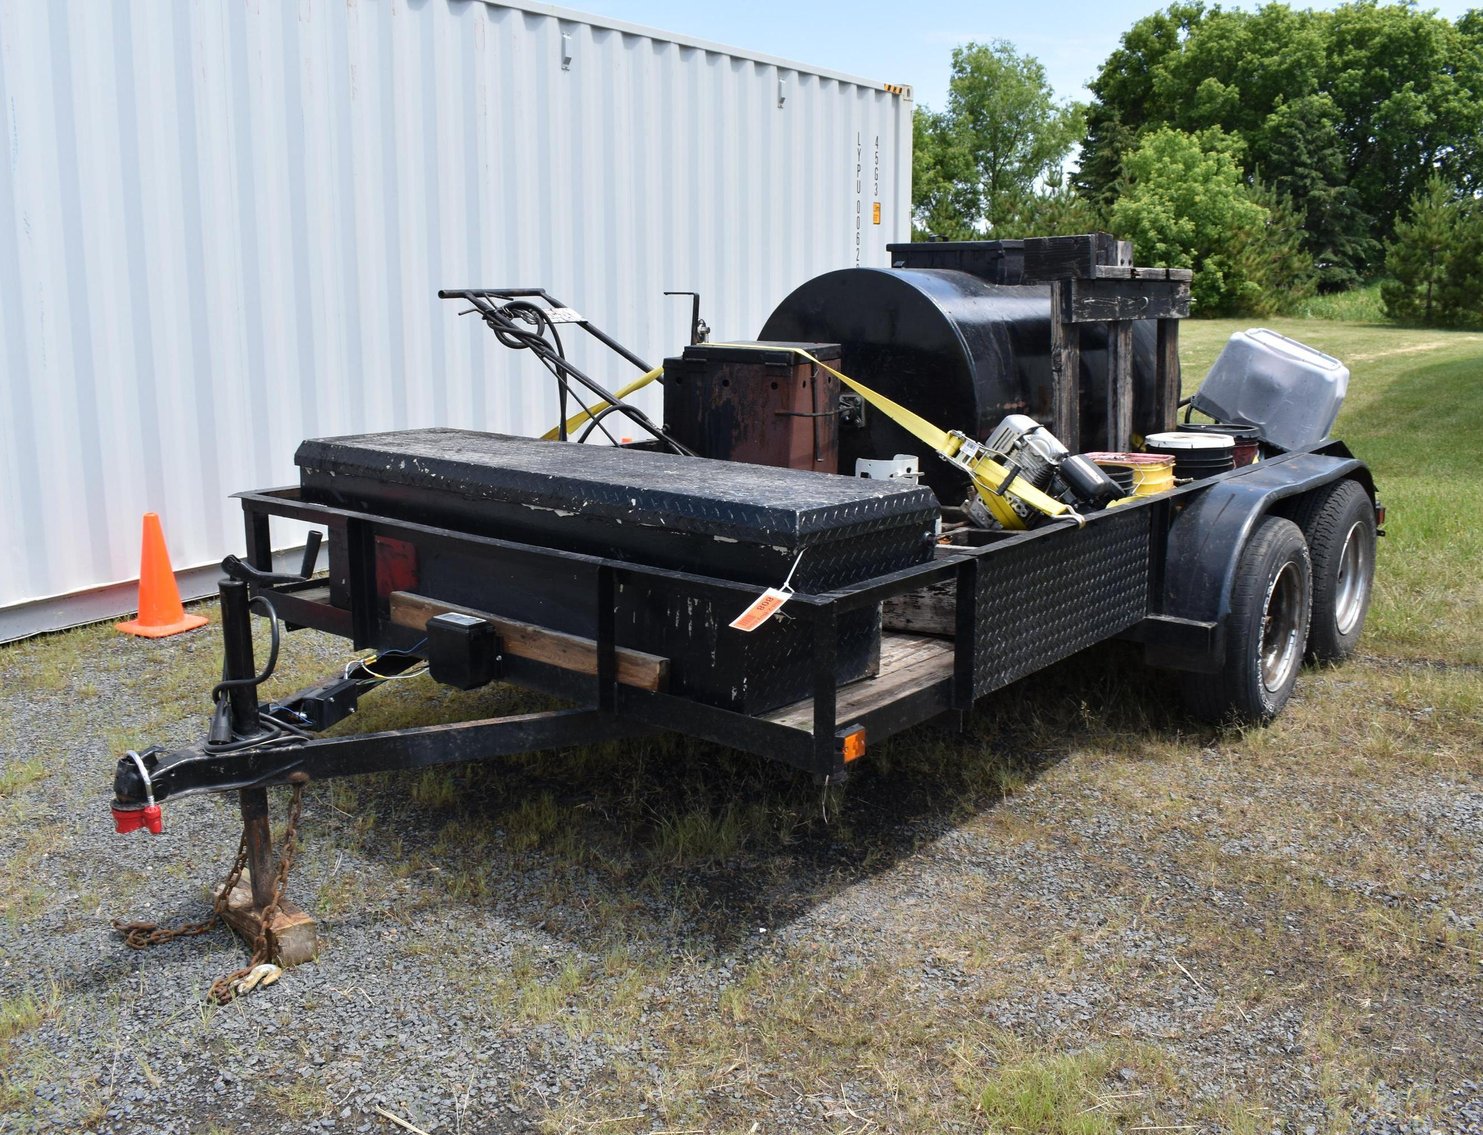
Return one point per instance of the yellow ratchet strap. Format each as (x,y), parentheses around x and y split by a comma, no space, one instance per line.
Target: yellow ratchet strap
(576,420)
(988,475)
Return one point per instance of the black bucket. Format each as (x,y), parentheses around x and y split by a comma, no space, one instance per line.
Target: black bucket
(1123,475)
(1196,453)
(1245,437)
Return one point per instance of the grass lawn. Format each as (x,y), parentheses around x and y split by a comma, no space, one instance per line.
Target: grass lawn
(1082,913)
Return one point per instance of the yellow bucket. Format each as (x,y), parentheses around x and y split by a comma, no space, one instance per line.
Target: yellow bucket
(1150,477)
(1152,472)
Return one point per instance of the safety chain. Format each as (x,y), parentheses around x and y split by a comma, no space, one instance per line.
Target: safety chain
(139,935)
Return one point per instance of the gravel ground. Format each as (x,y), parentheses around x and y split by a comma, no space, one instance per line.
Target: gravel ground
(476,978)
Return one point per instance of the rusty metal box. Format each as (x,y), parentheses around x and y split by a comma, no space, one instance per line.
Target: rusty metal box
(761,403)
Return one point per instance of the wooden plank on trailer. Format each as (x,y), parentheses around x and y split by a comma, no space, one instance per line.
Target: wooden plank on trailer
(858,698)
(906,648)
(1119,386)
(931,611)
(1065,371)
(538,644)
(1103,301)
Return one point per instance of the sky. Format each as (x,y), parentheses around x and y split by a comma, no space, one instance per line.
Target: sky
(912,43)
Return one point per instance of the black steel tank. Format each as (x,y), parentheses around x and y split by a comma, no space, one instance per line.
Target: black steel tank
(959,350)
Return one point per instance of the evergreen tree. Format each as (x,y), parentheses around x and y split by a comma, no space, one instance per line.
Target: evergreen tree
(1417,259)
(1298,151)
(1460,295)
(1271,254)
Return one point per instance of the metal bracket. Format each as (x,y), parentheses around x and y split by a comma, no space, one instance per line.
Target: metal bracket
(851,412)
(700,331)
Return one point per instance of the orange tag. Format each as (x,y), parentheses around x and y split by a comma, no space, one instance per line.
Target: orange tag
(875,214)
(764,607)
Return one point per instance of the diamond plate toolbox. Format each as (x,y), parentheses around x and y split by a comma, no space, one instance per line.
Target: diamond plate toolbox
(720,519)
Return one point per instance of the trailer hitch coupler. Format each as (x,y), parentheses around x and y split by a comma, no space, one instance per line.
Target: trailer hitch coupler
(147,815)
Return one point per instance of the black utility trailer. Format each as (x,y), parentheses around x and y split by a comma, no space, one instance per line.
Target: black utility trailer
(610,576)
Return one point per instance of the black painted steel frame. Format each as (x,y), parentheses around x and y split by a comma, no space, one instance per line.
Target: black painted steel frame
(814,750)
(606,709)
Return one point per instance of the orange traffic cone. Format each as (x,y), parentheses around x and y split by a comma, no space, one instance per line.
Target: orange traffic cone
(160,612)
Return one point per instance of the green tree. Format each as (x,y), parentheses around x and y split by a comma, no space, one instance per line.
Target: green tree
(1346,112)
(1272,256)
(1058,211)
(980,163)
(1420,258)
(1127,98)
(938,170)
(1184,205)
(1460,298)
(1409,89)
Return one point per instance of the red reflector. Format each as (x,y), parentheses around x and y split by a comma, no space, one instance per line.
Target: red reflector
(396,566)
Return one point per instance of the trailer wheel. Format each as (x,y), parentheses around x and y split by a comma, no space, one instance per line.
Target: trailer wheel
(1339,524)
(1266,630)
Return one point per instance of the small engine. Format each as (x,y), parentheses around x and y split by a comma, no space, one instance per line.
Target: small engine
(1029,449)
(1023,443)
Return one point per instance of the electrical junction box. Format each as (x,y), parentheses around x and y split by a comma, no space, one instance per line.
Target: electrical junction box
(462,650)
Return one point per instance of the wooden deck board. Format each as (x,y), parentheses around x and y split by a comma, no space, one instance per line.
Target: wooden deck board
(909,662)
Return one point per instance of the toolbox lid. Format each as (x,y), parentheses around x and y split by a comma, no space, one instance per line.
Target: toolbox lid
(728,499)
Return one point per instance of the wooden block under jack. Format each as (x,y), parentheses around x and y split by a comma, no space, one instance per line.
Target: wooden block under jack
(294,932)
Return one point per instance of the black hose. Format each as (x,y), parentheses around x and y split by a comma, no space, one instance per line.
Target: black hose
(538,344)
(500,320)
(274,732)
(550,351)
(237,683)
(596,422)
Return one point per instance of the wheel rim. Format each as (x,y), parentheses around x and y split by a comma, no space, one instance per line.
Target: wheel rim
(1352,583)
(1281,628)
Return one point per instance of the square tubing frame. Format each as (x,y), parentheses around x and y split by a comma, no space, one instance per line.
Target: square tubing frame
(813,749)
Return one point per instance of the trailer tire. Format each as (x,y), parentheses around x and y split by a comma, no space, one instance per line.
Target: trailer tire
(1266,630)
(1338,521)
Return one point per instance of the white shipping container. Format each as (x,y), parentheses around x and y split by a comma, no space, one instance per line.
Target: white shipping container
(223,227)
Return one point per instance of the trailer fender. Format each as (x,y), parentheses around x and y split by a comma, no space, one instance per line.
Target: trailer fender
(1206,538)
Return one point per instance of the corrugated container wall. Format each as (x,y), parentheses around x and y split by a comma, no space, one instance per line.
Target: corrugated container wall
(223,227)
